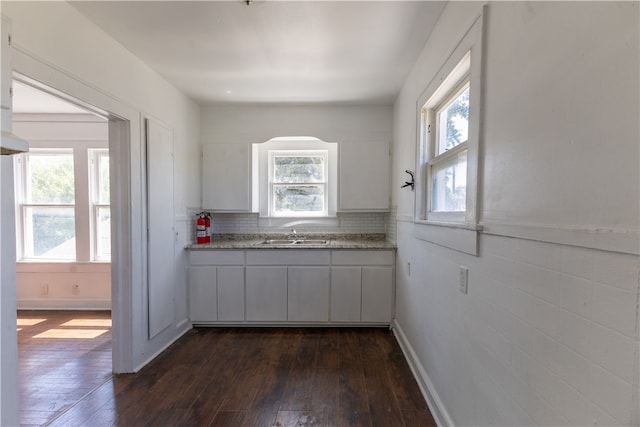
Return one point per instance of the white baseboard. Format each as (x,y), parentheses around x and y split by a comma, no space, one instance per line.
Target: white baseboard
(183,326)
(439,412)
(63,304)
(181,329)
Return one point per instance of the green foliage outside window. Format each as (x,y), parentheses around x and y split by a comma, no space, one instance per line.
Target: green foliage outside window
(299,169)
(51,179)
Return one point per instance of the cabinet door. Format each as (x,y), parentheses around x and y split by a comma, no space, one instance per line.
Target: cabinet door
(230,293)
(225,177)
(308,294)
(377,294)
(364,176)
(202,294)
(346,290)
(266,297)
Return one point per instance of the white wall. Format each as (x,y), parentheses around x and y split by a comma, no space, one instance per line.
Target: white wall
(8,334)
(53,286)
(259,123)
(353,127)
(87,64)
(548,332)
(9,343)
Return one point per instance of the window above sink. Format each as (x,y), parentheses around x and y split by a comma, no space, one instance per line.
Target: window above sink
(295,177)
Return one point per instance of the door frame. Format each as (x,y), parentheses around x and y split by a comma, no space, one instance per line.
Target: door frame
(126,193)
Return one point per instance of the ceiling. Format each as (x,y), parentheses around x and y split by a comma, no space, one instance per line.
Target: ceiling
(297,51)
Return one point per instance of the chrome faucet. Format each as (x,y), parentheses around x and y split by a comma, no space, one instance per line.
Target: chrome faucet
(294,235)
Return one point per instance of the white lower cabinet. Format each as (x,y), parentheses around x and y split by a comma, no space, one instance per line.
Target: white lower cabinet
(216,293)
(203,294)
(346,291)
(362,286)
(308,294)
(377,294)
(302,286)
(266,298)
(216,286)
(230,294)
(361,294)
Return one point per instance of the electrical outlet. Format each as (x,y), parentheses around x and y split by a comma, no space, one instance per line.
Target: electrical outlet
(75,290)
(464,279)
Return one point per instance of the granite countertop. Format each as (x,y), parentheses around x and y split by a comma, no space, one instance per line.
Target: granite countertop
(336,241)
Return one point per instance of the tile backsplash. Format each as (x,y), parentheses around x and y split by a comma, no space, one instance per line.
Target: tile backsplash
(251,223)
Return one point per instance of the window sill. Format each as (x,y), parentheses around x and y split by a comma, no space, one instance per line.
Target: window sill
(457,236)
(449,224)
(49,266)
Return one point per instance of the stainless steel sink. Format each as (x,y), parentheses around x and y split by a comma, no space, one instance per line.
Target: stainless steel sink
(301,242)
(277,242)
(312,242)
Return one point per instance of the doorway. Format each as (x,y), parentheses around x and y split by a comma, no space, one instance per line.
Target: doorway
(63,234)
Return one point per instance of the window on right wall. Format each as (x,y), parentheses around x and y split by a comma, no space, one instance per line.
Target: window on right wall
(445,122)
(449,118)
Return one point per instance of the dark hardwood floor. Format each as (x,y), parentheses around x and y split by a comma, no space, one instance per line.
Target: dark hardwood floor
(62,356)
(263,377)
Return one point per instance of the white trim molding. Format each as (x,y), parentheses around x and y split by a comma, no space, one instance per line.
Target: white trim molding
(63,304)
(621,240)
(439,412)
(464,64)
(457,237)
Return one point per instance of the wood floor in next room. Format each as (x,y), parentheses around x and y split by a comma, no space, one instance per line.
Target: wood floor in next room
(263,377)
(62,356)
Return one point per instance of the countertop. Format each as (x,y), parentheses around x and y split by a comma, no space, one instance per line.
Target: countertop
(336,241)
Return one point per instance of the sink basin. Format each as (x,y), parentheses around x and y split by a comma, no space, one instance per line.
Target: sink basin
(277,242)
(302,242)
(312,242)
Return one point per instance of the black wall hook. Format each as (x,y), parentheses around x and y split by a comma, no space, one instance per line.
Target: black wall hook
(407,183)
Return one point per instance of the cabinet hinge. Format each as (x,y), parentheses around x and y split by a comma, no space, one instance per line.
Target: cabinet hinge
(9,39)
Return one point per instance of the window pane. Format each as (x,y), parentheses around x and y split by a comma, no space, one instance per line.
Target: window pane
(453,122)
(449,185)
(50,178)
(103,233)
(103,180)
(50,233)
(298,198)
(298,169)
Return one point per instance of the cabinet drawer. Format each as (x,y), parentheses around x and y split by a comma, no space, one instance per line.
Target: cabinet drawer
(204,257)
(288,257)
(362,257)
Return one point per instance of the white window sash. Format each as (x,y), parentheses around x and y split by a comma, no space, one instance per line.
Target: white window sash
(442,106)
(25,243)
(273,154)
(95,238)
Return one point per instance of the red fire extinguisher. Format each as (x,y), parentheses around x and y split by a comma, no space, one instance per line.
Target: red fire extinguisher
(201,230)
(207,227)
